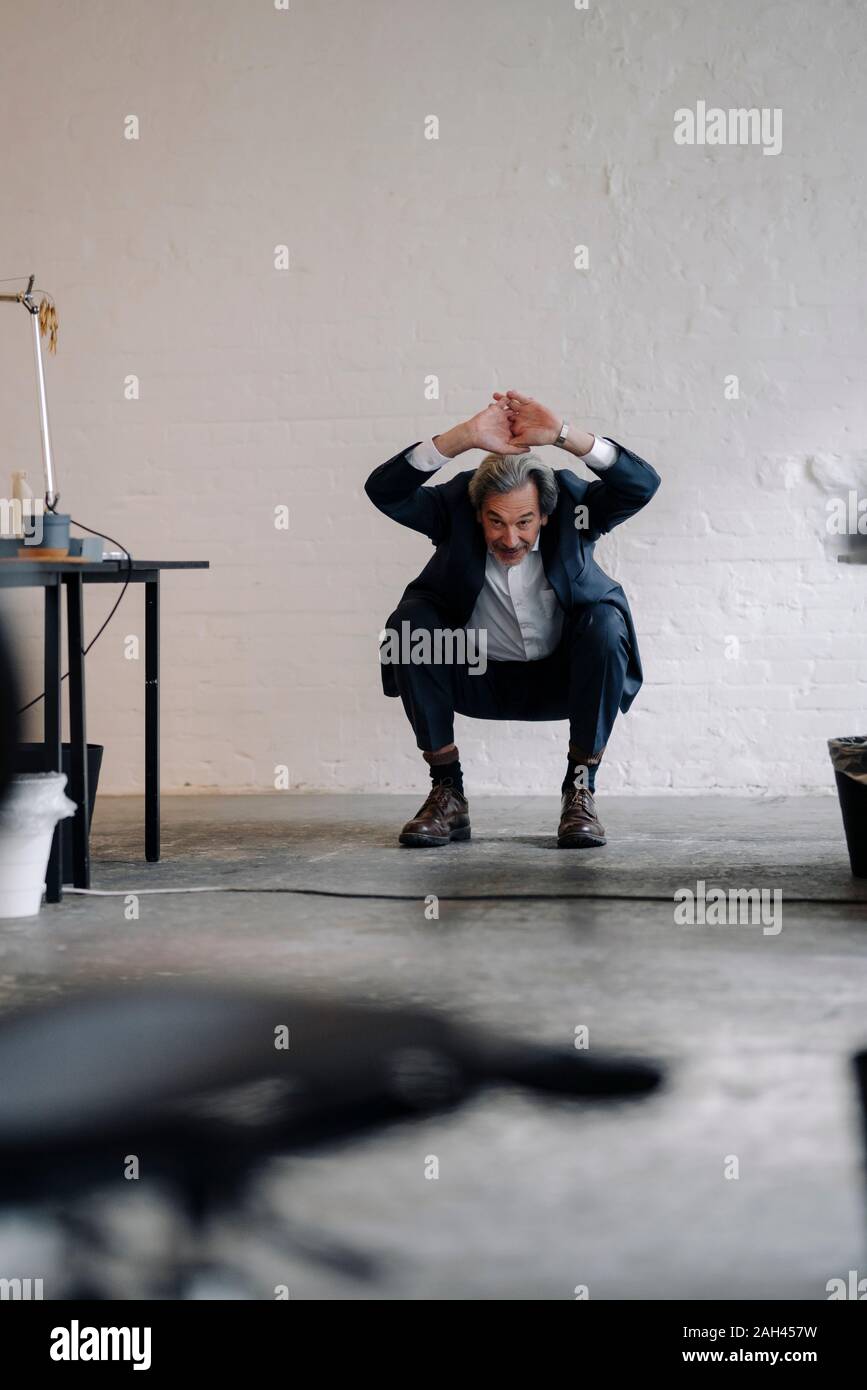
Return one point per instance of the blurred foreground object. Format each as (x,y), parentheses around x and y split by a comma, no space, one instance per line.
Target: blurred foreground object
(9,706)
(201,1086)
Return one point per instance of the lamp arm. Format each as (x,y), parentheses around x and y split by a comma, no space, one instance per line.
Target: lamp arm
(51,496)
(25,297)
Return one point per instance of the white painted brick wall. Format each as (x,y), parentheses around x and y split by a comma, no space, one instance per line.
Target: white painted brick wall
(452,257)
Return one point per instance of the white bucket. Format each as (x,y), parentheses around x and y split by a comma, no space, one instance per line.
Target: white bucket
(33,805)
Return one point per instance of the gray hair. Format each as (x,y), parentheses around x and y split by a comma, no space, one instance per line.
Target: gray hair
(507,472)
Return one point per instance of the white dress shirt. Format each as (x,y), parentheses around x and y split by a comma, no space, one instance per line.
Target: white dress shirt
(516,605)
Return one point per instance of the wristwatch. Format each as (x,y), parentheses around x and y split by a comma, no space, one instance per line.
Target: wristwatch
(564,430)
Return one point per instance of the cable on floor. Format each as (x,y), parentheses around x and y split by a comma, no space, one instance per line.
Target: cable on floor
(443,897)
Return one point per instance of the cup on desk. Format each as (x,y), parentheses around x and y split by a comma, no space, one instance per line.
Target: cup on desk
(54,542)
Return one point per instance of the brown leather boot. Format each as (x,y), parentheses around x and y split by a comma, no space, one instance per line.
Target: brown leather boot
(443,817)
(579,824)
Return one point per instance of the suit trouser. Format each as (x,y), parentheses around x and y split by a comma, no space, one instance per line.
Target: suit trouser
(582,680)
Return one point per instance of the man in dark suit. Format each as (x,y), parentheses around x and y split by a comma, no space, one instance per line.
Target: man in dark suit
(511,618)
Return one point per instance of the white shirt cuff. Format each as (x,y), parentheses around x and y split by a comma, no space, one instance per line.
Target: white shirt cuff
(601,456)
(426,457)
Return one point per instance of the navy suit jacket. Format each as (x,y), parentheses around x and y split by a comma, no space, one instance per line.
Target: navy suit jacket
(454,575)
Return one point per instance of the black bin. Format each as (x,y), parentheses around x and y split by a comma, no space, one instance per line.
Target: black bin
(31,758)
(849,759)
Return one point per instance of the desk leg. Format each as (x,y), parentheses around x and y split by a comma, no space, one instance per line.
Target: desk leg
(152,718)
(78,731)
(52,732)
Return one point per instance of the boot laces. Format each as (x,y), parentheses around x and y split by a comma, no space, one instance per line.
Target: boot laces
(438,796)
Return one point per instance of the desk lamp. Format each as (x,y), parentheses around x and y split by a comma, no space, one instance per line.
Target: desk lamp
(55,538)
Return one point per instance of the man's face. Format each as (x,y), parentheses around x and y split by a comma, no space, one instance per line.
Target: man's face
(511,522)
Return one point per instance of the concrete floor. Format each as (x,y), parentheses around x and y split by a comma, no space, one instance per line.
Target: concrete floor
(534,1197)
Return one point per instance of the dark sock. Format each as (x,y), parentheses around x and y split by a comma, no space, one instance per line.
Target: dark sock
(442,771)
(449,772)
(588,779)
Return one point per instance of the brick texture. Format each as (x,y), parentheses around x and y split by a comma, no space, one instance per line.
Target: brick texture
(452,258)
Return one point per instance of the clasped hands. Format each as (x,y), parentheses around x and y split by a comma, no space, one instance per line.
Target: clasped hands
(513,423)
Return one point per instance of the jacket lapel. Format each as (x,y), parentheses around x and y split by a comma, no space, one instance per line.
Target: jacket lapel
(478,560)
(555,540)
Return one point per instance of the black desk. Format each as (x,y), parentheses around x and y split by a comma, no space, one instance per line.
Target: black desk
(50,575)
